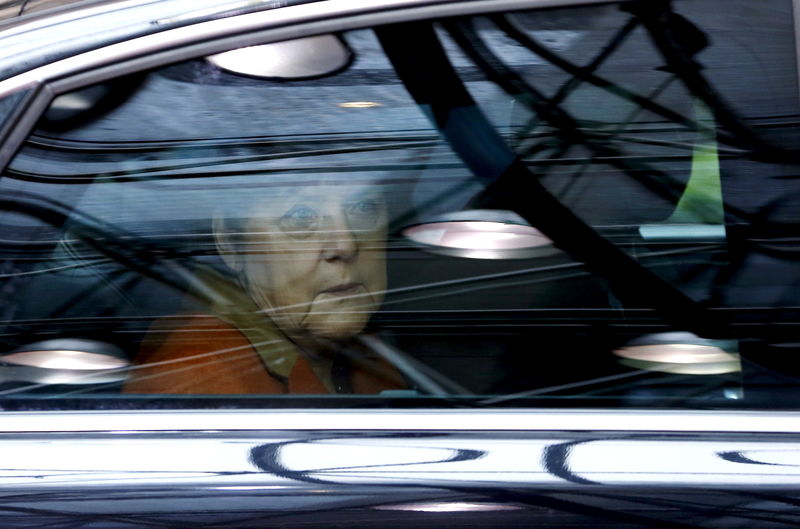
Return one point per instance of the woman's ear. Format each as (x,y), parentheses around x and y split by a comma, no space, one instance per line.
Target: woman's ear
(224,240)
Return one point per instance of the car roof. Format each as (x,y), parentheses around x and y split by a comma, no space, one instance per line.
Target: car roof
(18,9)
(67,28)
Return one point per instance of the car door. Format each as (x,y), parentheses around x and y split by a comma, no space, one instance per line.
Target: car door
(390,263)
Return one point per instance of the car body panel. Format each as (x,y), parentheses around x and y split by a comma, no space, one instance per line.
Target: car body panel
(391,477)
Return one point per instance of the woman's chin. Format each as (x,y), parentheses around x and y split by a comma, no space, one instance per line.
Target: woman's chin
(333,326)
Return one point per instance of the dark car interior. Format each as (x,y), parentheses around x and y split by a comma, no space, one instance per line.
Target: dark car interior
(666,192)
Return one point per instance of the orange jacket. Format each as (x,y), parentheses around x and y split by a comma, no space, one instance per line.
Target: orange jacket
(210,356)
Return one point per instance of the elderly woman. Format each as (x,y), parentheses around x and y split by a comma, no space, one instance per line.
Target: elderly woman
(311,263)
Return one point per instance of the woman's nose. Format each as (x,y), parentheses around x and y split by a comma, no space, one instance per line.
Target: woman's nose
(340,242)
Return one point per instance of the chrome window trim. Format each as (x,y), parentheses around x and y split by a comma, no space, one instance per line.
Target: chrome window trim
(19,115)
(601,420)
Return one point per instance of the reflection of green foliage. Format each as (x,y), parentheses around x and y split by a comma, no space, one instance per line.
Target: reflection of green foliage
(702,199)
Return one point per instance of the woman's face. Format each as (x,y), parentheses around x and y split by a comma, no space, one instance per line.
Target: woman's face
(314,258)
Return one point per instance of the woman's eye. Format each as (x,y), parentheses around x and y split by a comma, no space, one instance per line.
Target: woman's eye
(364,213)
(299,218)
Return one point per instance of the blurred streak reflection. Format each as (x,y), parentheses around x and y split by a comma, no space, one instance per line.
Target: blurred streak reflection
(455,506)
(681,353)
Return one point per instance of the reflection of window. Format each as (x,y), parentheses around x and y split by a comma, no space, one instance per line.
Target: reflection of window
(254,224)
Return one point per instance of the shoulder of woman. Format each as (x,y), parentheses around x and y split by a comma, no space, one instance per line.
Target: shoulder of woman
(198,354)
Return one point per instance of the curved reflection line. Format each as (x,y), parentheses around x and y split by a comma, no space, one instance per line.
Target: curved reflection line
(556,461)
(267,457)
(739,457)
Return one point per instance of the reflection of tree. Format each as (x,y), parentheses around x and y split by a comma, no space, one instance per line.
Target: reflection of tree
(433,82)
(566,131)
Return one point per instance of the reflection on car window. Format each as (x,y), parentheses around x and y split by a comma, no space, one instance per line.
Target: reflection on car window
(588,206)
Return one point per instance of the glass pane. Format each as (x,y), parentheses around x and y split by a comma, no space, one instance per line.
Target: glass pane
(197,231)
(640,121)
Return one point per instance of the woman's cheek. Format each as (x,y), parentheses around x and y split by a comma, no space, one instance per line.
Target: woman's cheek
(375,274)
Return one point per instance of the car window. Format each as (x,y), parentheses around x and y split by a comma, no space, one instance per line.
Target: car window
(589,206)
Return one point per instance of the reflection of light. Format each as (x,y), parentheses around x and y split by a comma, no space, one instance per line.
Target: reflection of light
(682,232)
(471,235)
(483,234)
(680,353)
(65,359)
(733,393)
(290,59)
(72,102)
(250,487)
(455,506)
(359,104)
(254,60)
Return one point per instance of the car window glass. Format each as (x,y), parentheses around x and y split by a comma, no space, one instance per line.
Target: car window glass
(588,206)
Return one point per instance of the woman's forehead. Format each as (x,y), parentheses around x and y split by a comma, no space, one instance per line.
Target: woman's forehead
(322,192)
(248,197)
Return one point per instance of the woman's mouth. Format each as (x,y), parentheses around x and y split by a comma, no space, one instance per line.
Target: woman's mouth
(343,289)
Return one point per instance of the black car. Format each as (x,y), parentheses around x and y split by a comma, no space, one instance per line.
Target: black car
(386,263)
